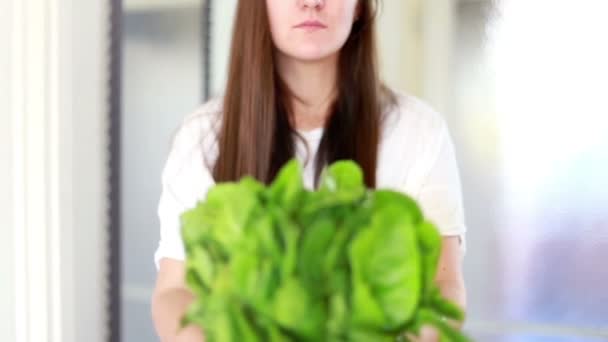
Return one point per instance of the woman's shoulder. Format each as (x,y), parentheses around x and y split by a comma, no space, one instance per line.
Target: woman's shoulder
(207,114)
(203,120)
(198,130)
(404,115)
(412,129)
(409,114)
(413,133)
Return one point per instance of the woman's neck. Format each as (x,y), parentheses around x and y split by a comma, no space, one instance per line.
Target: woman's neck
(313,86)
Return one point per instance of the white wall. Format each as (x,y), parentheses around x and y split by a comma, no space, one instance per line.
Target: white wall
(52,170)
(222,14)
(415,47)
(89,169)
(7,332)
(162,80)
(399,44)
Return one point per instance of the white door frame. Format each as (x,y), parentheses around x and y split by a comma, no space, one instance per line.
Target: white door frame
(56,203)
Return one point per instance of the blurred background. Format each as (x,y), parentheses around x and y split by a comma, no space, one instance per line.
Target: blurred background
(94,92)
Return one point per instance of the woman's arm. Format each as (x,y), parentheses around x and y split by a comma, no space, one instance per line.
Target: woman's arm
(449,276)
(450,281)
(169,303)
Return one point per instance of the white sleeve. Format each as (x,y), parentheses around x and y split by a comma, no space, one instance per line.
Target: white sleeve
(185,181)
(440,195)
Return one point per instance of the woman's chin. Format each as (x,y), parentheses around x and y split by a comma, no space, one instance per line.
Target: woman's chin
(312,55)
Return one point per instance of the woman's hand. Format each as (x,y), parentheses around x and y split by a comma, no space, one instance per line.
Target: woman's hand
(427,334)
(451,283)
(190,333)
(170,302)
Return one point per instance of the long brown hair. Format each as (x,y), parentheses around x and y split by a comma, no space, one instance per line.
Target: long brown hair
(256,136)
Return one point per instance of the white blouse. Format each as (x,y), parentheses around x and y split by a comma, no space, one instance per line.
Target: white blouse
(416,156)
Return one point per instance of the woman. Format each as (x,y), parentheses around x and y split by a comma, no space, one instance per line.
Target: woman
(303,82)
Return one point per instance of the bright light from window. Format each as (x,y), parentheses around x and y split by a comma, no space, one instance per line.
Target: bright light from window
(550,60)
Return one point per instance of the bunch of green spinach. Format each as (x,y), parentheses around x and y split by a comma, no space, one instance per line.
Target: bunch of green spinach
(342,263)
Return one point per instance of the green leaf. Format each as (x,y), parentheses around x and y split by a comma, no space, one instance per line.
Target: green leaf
(194,314)
(451,334)
(342,176)
(221,217)
(243,327)
(261,230)
(295,310)
(244,274)
(316,240)
(429,241)
(221,328)
(409,207)
(337,316)
(366,335)
(445,307)
(343,263)
(194,227)
(288,187)
(200,270)
(387,258)
(367,311)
